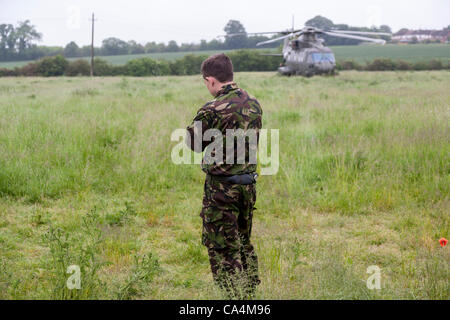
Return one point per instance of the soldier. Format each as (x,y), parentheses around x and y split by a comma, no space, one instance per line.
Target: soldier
(229,190)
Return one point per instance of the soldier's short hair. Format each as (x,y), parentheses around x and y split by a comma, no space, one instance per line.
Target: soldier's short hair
(218,66)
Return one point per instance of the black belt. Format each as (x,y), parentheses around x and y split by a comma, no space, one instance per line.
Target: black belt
(247,178)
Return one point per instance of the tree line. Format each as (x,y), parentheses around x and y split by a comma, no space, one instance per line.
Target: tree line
(18,42)
(243,60)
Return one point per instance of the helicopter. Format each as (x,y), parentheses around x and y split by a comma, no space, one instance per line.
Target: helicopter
(305,54)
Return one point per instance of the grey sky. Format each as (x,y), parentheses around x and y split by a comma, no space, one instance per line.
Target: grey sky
(189,21)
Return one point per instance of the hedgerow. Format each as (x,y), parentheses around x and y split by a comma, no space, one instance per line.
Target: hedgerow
(243,60)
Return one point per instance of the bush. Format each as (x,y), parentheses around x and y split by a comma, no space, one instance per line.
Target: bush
(78,67)
(118,70)
(188,65)
(146,67)
(102,68)
(381,65)
(28,70)
(52,66)
(403,65)
(435,65)
(420,65)
(248,60)
(164,68)
(348,65)
(8,72)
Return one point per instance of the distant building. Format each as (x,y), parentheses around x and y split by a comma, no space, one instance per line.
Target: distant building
(406,36)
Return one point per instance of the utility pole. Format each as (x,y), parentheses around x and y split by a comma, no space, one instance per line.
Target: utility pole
(92,47)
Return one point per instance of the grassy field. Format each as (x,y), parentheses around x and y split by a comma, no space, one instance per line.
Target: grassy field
(122,59)
(86,179)
(361,54)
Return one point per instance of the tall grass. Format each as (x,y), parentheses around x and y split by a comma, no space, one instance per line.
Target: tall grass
(363,180)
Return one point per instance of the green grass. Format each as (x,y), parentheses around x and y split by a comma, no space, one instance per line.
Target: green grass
(361,54)
(169,56)
(86,179)
(410,53)
(122,59)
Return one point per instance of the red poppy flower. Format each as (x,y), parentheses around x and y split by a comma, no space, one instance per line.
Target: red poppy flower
(443,242)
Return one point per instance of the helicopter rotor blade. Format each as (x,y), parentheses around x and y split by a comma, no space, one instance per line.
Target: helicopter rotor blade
(278,39)
(362,32)
(349,36)
(272,54)
(252,33)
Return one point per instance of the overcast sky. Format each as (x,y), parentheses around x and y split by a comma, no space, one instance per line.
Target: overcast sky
(61,21)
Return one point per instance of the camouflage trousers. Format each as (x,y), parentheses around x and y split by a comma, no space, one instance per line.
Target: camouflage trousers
(227,224)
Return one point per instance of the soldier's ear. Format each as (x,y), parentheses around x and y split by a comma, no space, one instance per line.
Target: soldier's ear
(210,80)
(214,82)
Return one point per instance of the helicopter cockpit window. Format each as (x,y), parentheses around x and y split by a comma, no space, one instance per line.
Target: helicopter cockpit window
(319,57)
(295,44)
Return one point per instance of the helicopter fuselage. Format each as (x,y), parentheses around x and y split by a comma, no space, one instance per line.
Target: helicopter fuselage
(300,58)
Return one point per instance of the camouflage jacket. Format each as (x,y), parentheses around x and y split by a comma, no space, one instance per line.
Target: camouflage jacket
(232,108)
